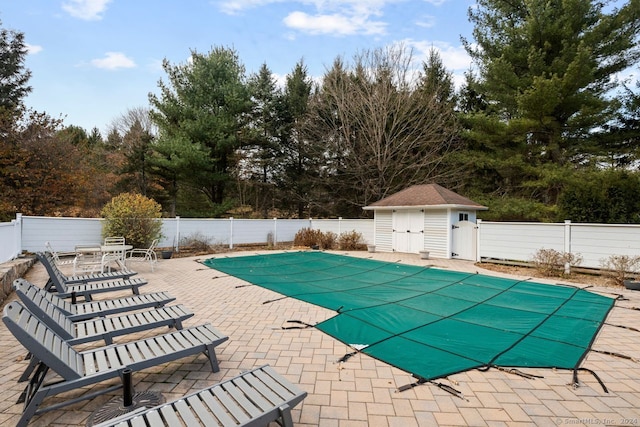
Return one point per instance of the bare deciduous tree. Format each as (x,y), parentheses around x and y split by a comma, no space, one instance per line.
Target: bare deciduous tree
(380,128)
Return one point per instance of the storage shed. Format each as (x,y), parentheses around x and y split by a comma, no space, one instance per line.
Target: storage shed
(426,218)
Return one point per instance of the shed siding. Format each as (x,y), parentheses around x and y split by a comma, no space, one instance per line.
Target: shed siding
(436,233)
(384,230)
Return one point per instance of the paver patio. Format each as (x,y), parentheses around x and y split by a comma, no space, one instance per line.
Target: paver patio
(360,391)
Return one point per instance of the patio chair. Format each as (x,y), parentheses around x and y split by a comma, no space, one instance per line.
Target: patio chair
(148,254)
(56,256)
(253,398)
(117,256)
(68,286)
(80,369)
(31,294)
(87,259)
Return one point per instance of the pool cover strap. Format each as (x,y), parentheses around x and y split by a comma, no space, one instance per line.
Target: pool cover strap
(432,322)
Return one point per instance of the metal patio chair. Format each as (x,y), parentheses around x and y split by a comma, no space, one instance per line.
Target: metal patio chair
(148,254)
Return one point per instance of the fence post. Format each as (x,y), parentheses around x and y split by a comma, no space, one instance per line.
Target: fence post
(17,250)
(177,239)
(567,245)
(230,232)
(275,232)
(478,240)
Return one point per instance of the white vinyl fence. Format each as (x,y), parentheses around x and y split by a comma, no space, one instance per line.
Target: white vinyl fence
(518,241)
(10,239)
(510,241)
(65,233)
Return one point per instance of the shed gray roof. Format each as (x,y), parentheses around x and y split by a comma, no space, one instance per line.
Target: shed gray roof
(426,195)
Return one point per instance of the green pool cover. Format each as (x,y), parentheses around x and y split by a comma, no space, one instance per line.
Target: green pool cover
(432,322)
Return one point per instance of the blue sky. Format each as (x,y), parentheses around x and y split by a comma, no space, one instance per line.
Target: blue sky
(92,60)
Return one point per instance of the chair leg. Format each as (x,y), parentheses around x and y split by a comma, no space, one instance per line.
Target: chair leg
(285,415)
(211,352)
(31,408)
(33,362)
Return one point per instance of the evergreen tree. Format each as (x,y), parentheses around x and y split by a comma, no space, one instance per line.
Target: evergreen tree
(297,157)
(200,115)
(14,77)
(545,72)
(260,142)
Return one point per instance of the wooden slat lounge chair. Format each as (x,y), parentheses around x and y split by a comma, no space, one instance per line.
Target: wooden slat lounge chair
(85,278)
(253,398)
(101,328)
(86,285)
(32,294)
(79,369)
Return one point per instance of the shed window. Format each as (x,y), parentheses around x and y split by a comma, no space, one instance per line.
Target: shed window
(463,216)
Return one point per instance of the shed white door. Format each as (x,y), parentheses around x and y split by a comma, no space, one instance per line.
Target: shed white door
(408,230)
(463,245)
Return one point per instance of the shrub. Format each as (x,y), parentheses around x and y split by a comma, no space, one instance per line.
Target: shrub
(311,237)
(328,240)
(550,262)
(307,237)
(350,241)
(620,267)
(196,242)
(134,217)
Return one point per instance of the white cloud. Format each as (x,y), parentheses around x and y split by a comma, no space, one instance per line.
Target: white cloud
(32,49)
(338,17)
(427,21)
(233,7)
(113,61)
(88,10)
(454,58)
(336,24)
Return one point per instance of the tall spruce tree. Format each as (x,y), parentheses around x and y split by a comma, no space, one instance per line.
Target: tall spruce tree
(297,156)
(545,75)
(14,77)
(200,115)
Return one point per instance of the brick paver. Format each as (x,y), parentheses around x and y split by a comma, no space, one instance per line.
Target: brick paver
(361,391)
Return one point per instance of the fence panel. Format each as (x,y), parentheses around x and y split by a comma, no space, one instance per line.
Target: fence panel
(63,233)
(518,241)
(597,242)
(10,240)
(497,240)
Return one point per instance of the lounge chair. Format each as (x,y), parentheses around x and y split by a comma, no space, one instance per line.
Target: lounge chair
(79,369)
(253,398)
(102,328)
(87,285)
(31,294)
(56,256)
(47,259)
